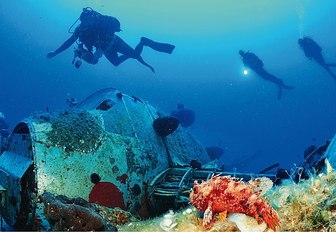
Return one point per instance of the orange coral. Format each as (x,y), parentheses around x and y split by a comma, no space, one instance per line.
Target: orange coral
(222,193)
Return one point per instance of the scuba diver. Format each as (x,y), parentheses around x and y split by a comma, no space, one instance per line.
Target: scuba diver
(185,116)
(96,37)
(253,62)
(313,51)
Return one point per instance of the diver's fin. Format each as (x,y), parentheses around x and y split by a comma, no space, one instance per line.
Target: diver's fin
(141,60)
(332,64)
(285,87)
(160,47)
(280,92)
(288,87)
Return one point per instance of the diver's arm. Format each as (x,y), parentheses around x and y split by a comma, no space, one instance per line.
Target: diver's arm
(64,46)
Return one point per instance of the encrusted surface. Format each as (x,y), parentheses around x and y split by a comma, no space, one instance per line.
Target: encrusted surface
(75,131)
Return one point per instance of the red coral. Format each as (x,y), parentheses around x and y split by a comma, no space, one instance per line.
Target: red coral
(224,194)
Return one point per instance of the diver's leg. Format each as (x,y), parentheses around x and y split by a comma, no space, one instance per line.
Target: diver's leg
(329,71)
(116,60)
(276,80)
(269,77)
(284,85)
(120,46)
(320,60)
(128,52)
(113,57)
(138,49)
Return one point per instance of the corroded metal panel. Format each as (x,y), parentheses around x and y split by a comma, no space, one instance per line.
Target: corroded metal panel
(13,168)
(183,147)
(64,169)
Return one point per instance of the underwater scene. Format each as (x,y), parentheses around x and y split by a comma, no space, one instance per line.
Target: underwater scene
(155,115)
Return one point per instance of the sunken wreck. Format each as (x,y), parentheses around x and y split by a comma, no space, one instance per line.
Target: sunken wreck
(109,136)
(102,163)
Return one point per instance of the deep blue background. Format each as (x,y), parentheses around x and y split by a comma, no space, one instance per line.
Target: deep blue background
(239,113)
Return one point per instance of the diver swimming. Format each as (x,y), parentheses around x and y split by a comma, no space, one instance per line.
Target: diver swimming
(253,62)
(185,116)
(313,51)
(95,36)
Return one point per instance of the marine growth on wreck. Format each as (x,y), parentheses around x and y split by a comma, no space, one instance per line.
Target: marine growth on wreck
(309,205)
(75,131)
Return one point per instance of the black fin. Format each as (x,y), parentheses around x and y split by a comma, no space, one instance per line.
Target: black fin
(160,47)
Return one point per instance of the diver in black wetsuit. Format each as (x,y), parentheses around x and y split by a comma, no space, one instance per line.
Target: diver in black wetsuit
(313,51)
(253,62)
(96,37)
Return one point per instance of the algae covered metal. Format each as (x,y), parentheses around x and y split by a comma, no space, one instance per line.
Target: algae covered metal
(105,144)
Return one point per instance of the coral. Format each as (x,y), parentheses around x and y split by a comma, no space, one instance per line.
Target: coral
(75,131)
(226,194)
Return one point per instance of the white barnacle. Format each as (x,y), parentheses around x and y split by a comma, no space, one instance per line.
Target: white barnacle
(188,211)
(168,221)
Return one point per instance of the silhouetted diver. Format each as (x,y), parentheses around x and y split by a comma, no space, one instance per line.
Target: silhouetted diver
(185,116)
(253,62)
(313,51)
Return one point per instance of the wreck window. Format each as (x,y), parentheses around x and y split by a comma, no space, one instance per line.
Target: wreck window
(21,128)
(105,105)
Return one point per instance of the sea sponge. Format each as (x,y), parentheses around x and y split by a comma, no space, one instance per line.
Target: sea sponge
(64,215)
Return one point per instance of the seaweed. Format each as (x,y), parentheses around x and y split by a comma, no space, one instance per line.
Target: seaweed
(308,205)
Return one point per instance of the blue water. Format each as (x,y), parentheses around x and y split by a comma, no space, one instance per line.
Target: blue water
(239,113)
